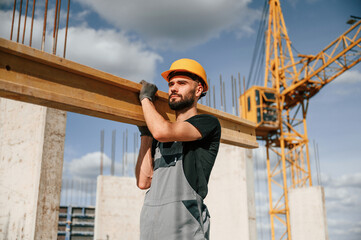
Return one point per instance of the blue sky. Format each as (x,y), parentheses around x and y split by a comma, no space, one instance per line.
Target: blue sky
(140,39)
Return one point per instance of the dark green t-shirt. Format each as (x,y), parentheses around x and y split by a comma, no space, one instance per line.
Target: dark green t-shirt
(200,155)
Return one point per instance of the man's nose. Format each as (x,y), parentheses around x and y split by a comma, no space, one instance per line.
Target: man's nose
(173,88)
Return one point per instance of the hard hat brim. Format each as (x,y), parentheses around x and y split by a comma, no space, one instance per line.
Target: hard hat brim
(165,75)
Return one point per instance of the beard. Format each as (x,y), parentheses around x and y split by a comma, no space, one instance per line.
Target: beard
(184,102)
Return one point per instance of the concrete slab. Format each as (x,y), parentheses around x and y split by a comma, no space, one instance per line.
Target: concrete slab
(308,213)
(31,162)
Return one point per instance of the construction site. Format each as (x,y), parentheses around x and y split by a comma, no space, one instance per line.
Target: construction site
(288,165)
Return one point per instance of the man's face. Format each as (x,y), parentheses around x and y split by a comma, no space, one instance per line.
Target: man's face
(182,92)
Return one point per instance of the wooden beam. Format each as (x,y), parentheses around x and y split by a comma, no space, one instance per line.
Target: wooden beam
(33,76)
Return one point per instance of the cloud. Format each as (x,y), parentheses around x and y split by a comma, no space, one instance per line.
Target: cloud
(87,166)
(108,50)
(349,77)
(111,51)
(177,24)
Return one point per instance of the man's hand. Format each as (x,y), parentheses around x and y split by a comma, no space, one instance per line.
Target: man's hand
(148,91)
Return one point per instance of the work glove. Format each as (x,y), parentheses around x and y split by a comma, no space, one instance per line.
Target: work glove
(148,91)
(144,131)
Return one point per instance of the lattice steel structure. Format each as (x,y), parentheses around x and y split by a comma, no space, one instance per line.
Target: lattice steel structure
(280,108)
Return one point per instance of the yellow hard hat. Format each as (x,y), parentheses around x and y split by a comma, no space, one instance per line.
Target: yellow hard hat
(188,65)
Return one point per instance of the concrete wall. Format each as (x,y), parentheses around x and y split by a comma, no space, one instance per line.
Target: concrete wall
(31,162)
(308,213)
(230,200)
(118,206)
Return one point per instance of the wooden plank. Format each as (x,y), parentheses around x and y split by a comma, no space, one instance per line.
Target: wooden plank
(33,76)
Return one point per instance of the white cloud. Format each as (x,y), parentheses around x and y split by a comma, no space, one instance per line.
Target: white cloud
(112,52)
(109,50)
(349,77)
(177,24)
(88,166)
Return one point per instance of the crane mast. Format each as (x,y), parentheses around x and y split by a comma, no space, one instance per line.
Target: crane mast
(280,108)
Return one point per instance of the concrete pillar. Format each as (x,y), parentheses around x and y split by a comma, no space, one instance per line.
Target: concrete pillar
(231,198)
(31,163)
(308,213)
(118,205)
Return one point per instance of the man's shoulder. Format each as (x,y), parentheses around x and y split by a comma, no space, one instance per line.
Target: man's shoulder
(205,117)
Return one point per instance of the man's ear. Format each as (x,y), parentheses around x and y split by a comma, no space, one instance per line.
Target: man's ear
(199,90)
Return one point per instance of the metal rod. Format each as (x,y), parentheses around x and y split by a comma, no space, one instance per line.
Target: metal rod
(44,27)
(236,97)
(233,109)
(57,27)
(244,84)
(32,25)
(126,151)
(220,83)
(224,97)
(239,84)
(123,154)
(113,152)
(214,97)
(71,191)
(101,151)
(66,29)
(20,9)
(209,93)
(206,97)
(12,22)
(26,15)
(54,29)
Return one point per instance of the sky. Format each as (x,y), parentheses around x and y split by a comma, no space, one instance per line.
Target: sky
(140,39)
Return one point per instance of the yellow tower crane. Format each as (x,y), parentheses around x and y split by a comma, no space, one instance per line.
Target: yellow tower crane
(279,108)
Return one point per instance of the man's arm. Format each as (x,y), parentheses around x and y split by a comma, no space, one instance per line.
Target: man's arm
(165,131)
(144,167)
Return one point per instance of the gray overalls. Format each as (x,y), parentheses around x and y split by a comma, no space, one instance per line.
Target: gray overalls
(172,210)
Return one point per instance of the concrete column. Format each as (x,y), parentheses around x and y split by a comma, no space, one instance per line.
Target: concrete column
(231,198)
(308,213)
(118,205)
(31,162)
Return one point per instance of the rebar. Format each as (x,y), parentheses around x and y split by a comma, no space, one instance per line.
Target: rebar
(233,110)
(66,29)
(57,27)
(220,82)
(44,26)
(214,97)
(26,15)
(224,97)
(101,151)
(123,154)
(20,10)
(12,22)
(55,21)
(113,153)
(126,151)
(32,25)
(209,93)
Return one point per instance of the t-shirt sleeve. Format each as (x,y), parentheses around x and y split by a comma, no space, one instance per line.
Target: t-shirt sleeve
(205,123)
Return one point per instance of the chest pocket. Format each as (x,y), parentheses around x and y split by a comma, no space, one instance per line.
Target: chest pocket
(167,154)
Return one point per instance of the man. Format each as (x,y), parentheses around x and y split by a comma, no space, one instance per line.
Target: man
(175,159)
